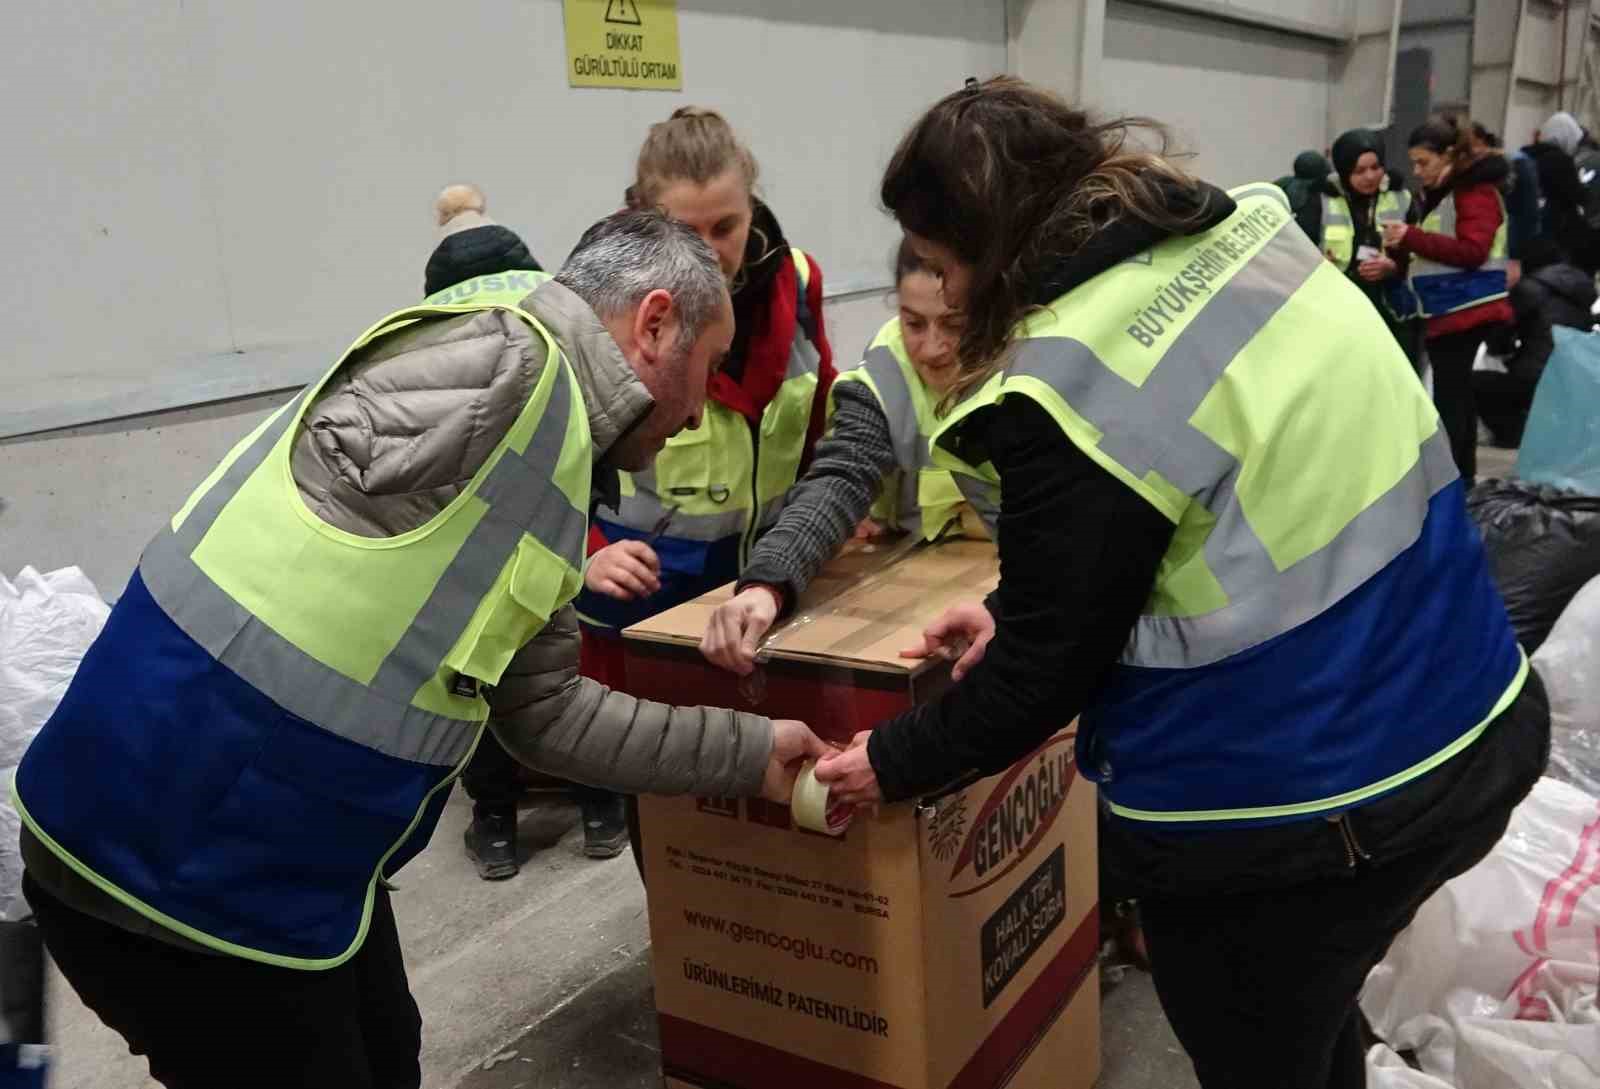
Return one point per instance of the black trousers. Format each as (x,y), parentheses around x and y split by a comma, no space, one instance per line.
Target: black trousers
(493,780)
(206,1021)
(1260,939)
(1503,402)
(1451,357)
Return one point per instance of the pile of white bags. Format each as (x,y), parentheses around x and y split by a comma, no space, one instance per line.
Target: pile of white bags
(1569,662)
(46,624)
(1494,982)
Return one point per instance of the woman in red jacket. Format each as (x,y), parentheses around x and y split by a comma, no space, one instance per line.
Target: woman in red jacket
(1458,269)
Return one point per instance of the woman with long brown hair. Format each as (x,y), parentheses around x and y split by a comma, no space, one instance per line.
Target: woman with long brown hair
(1233,545)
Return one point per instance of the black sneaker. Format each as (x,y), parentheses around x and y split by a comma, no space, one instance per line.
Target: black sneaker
(492,843)
(605,827)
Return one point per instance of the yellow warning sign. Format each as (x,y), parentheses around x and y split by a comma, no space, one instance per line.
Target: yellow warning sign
(623,43)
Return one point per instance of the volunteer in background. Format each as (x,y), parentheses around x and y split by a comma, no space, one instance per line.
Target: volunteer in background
(1521,195)
(1555,145)
(479,261)
(472,245)
(686,525)
(1299,692)
(873,465)
(1311,170)
(1359,199)
(267,727)
(1458,269)
(1552,292)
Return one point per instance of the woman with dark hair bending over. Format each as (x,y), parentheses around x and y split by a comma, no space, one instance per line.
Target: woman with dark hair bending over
(1234,546)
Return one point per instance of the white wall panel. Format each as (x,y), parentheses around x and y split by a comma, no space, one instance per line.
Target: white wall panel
(1244,100)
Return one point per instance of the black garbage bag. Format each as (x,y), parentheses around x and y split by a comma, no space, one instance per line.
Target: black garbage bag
(1543,545)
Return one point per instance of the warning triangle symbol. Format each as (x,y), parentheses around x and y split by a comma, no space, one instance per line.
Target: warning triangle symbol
(625,12)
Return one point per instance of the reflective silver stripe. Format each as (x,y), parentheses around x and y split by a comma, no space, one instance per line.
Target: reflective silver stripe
(910,445)
(289,676)
(644,508)
(1335,212)
(804,358)
(205,511)
(1302,592)
(523,498)
(1148,429)
(984,498)
(1262,189)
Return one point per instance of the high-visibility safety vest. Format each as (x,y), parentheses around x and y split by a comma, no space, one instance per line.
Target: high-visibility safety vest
(268,723)
(714,481)
(1444,289)
(919,497)
(1323,627)
(497,288)
(1339,228)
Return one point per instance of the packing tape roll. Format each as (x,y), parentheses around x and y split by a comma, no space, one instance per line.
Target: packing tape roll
(812,808)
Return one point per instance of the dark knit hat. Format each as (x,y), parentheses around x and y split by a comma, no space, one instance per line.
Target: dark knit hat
(479,251)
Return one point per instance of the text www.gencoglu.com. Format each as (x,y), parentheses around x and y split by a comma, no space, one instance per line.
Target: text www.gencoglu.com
(798,947)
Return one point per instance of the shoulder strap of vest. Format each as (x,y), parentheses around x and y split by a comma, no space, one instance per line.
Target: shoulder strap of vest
(802,267)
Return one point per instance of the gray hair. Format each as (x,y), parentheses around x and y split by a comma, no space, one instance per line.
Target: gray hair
(625,256)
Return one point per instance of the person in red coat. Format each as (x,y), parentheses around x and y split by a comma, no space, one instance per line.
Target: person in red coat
(1458,269)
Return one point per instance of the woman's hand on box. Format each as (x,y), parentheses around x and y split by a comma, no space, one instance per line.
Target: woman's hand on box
(733,634)
(848,775)
(962,633)
(793,744)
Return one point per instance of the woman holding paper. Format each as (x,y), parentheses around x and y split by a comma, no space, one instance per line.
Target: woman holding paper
(1233,546)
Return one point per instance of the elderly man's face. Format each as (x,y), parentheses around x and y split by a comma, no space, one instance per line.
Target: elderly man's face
(676,376)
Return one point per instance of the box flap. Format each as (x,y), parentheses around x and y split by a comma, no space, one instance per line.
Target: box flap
(858,612)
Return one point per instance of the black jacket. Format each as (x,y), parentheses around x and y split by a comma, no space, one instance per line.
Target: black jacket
(481,251)
(1079,553)
(1554,295)
(1562,192)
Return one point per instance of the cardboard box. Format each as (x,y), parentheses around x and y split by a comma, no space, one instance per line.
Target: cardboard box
(947,944)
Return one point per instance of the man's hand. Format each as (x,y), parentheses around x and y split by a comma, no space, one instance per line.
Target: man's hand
(735,629)
(626,570)
(848,775)
(1377,268)
(793,744)
(869,529)
(962,633)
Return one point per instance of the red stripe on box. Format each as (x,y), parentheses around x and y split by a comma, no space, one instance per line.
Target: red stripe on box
(1025,1024)
(835,701)
(715,1059)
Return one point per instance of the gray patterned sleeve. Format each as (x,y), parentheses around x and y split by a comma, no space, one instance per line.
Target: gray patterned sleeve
(824,508)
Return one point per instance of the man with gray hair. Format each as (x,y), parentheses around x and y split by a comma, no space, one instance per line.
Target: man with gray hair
(266,730)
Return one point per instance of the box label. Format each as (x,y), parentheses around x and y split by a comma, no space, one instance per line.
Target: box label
(1012,821)
(1023,924)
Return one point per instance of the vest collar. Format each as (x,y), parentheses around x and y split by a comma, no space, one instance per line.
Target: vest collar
(615,398)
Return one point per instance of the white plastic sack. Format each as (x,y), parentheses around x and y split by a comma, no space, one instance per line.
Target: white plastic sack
(1494,982)
(1386,1070)
(1569,662)
(46,624)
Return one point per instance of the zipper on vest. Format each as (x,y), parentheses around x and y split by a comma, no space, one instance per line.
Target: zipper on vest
(748,540)
(1352,846)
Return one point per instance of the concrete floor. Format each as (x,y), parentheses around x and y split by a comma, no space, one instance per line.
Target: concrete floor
(543,981)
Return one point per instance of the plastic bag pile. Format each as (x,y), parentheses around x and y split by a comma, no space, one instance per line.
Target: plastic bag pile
(1543,546)
(1494,982)
(46,625)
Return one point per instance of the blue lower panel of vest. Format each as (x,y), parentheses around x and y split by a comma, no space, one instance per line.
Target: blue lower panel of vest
(688,569)
(23,1066)
(1445,292)
(1407,664)
(171,777)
